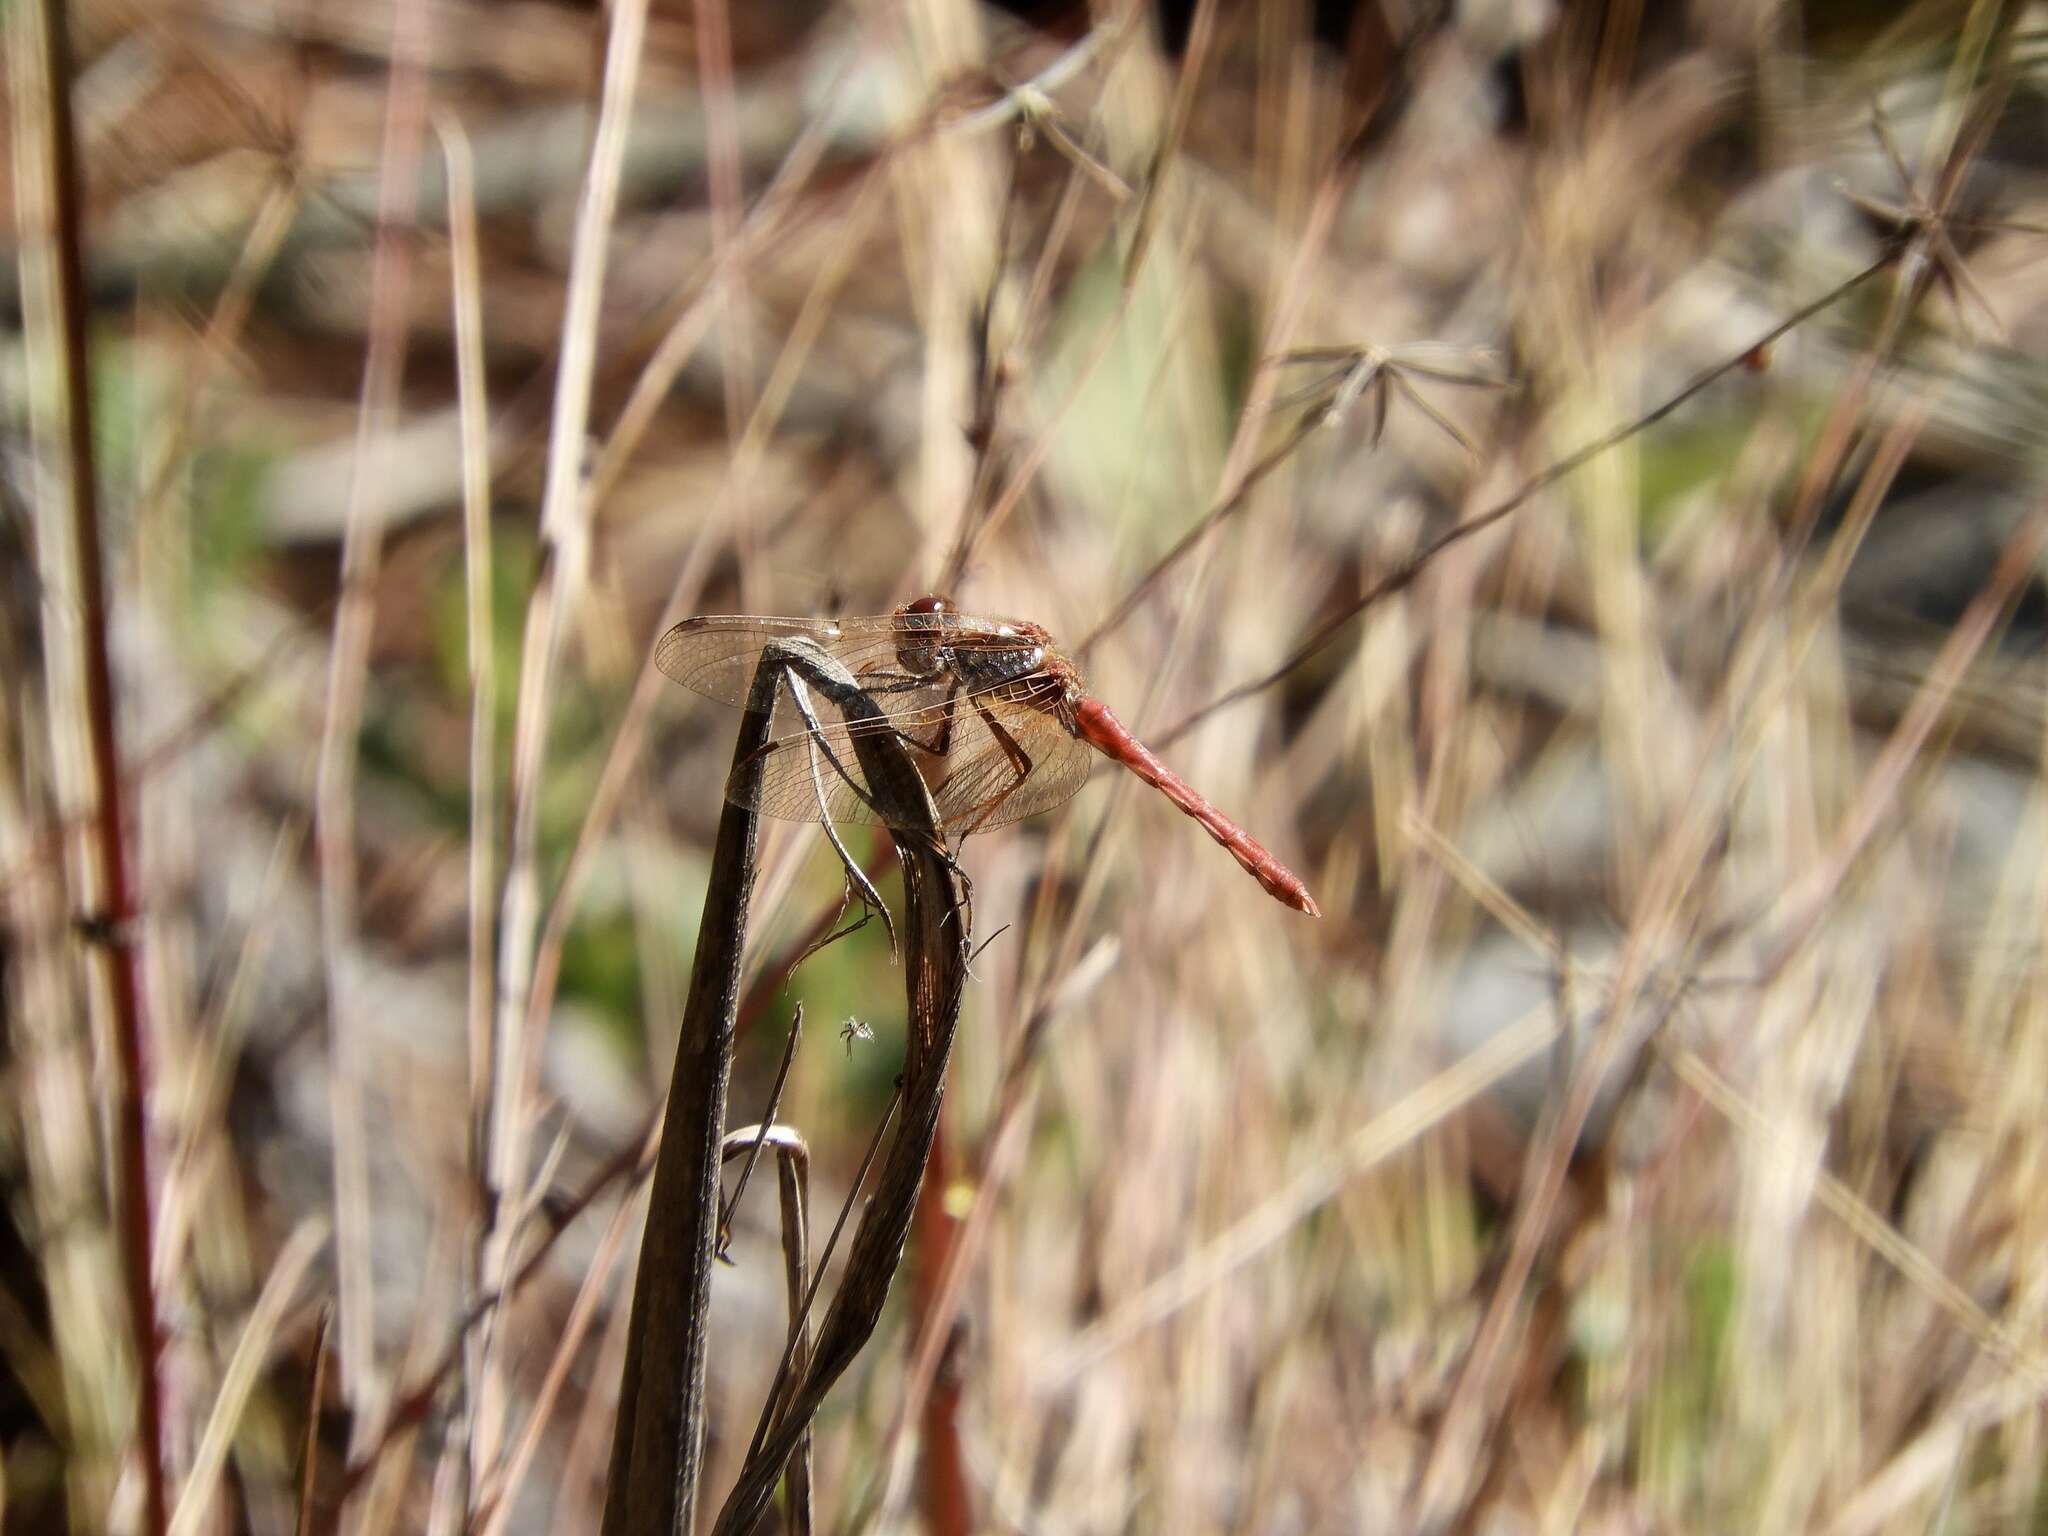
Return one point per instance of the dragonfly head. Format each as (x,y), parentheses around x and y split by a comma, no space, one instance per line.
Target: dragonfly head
(918,656)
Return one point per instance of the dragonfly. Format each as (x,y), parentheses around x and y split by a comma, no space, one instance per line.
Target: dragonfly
(996,716)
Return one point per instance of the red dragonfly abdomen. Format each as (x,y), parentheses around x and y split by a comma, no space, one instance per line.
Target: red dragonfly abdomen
(1099,727)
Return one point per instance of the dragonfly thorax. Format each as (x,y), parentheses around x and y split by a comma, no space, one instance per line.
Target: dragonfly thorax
(1004,656)
(995,659)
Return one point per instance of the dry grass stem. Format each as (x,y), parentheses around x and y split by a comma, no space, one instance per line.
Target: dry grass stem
(481,1389)
(557,592)
(79,676)
(258,1336)
(334,821)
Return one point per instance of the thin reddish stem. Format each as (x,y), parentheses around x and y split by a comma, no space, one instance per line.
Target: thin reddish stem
(119,946)
(948,1507)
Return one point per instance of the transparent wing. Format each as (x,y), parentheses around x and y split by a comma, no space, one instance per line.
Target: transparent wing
(982,790)
(811,764)
(716,656)
(979,780)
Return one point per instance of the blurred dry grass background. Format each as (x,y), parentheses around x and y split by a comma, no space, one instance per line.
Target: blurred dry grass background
(1649,1136)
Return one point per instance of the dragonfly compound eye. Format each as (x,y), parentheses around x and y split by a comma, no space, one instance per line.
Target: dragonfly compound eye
(915,654)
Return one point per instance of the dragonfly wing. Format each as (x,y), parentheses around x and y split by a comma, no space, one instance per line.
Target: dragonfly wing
(806,778)
(717,655)
(811,768)
(994,779)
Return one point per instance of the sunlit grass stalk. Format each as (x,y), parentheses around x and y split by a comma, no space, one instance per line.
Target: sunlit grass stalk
(558,589)
(736,351)
(622,1177)
(334,792)
(482,1398)
(628,739)
(494,1510)
(239,1381)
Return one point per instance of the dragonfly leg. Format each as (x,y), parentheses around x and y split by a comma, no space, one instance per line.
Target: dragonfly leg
(1020,764)
(906,684)
(945,744)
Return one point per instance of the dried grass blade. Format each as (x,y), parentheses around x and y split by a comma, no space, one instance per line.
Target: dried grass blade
(762,1132)
(658,1444)
(937,931)
(792,1170)
(793,1177)
(238,1382)
(310,1465)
